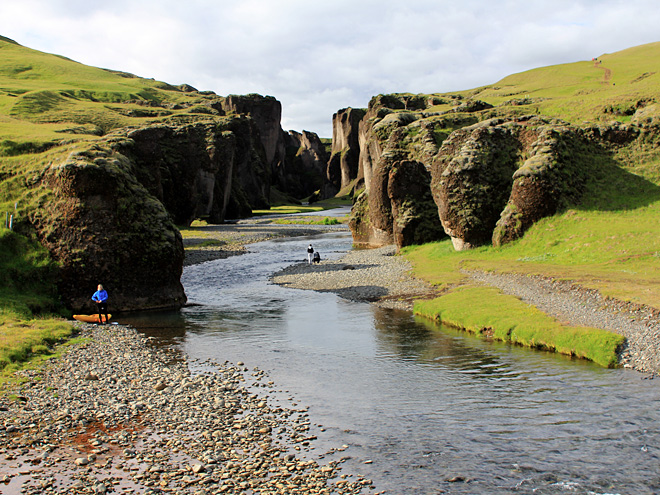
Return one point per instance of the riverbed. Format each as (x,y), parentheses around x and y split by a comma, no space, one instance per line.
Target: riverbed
(419,408)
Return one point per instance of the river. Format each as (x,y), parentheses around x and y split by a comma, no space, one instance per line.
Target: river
(422,409)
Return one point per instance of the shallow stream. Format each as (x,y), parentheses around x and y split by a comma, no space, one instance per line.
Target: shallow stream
(423,409)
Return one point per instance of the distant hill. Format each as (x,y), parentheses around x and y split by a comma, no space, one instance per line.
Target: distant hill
(609,87)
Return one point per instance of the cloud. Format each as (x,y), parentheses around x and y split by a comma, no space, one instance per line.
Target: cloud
(318,57)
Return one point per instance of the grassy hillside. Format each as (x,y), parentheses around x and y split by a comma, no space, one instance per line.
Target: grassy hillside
(612,87)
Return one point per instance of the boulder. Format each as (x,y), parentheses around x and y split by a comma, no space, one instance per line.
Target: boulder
(491,181)
(103,226)
(472,176)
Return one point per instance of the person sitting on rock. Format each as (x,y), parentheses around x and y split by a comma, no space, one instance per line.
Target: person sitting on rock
(310,251)
(100,297)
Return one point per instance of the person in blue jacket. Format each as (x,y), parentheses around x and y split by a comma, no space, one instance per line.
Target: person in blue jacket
(100,297)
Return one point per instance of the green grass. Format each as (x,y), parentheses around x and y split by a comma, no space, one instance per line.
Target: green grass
(485,311)
(288,210)
(615,252)
(310,221)
(582,91)
(23,338)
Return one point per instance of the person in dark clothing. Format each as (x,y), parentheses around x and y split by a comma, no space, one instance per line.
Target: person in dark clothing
(100,297)
(310,251)
(317,257)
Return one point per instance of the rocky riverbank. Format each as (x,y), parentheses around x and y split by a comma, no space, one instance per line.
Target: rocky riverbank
(371,275)
(115,414)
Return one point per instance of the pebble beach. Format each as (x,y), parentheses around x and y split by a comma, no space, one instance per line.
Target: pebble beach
(116,414)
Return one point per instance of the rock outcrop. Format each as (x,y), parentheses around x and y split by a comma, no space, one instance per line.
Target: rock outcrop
(103,226)
(303,172)
(343,166)
(113,206)
(415,218)
(296,161)
(489,179)
(214,169)
(395,152)
(493,180)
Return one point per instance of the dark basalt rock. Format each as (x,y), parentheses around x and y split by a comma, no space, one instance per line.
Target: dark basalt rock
(414,213)
(103,226)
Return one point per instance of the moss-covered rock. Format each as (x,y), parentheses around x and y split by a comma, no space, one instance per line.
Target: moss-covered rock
(471,180)
(414,213)
(102,226)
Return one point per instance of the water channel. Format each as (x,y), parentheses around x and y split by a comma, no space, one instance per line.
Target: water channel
(423,409)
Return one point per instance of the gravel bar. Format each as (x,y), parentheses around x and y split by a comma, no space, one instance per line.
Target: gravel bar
(373,275)
(116,414)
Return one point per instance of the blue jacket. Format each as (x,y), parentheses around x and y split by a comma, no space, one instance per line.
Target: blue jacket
(100,296)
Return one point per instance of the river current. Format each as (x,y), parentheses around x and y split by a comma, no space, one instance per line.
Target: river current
(422,409)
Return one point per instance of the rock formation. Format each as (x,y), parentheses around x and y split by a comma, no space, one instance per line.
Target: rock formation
(343,166)
(489,179)
(395,152)
(493,180)
(103,226)
(303,172)
(113,206)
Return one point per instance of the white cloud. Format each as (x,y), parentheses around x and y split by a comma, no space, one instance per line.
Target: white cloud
(318,57)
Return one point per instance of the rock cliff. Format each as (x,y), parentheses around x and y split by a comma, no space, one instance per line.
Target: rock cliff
(488,174)
(343,166)
(395,150)
(103,226)
(108,210)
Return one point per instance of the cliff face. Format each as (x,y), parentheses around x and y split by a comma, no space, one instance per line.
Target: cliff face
(205,169)
(395,152)
(295,161)
(303,171)
(109,209)
(343,166)
(493,180)
(103,226)
(467,173)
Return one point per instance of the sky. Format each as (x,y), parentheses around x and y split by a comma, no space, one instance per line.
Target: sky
(316,56)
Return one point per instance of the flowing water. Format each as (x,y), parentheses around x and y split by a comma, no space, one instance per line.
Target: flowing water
(423,409)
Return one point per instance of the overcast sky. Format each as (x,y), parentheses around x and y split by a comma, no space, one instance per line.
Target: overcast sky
(318,56)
